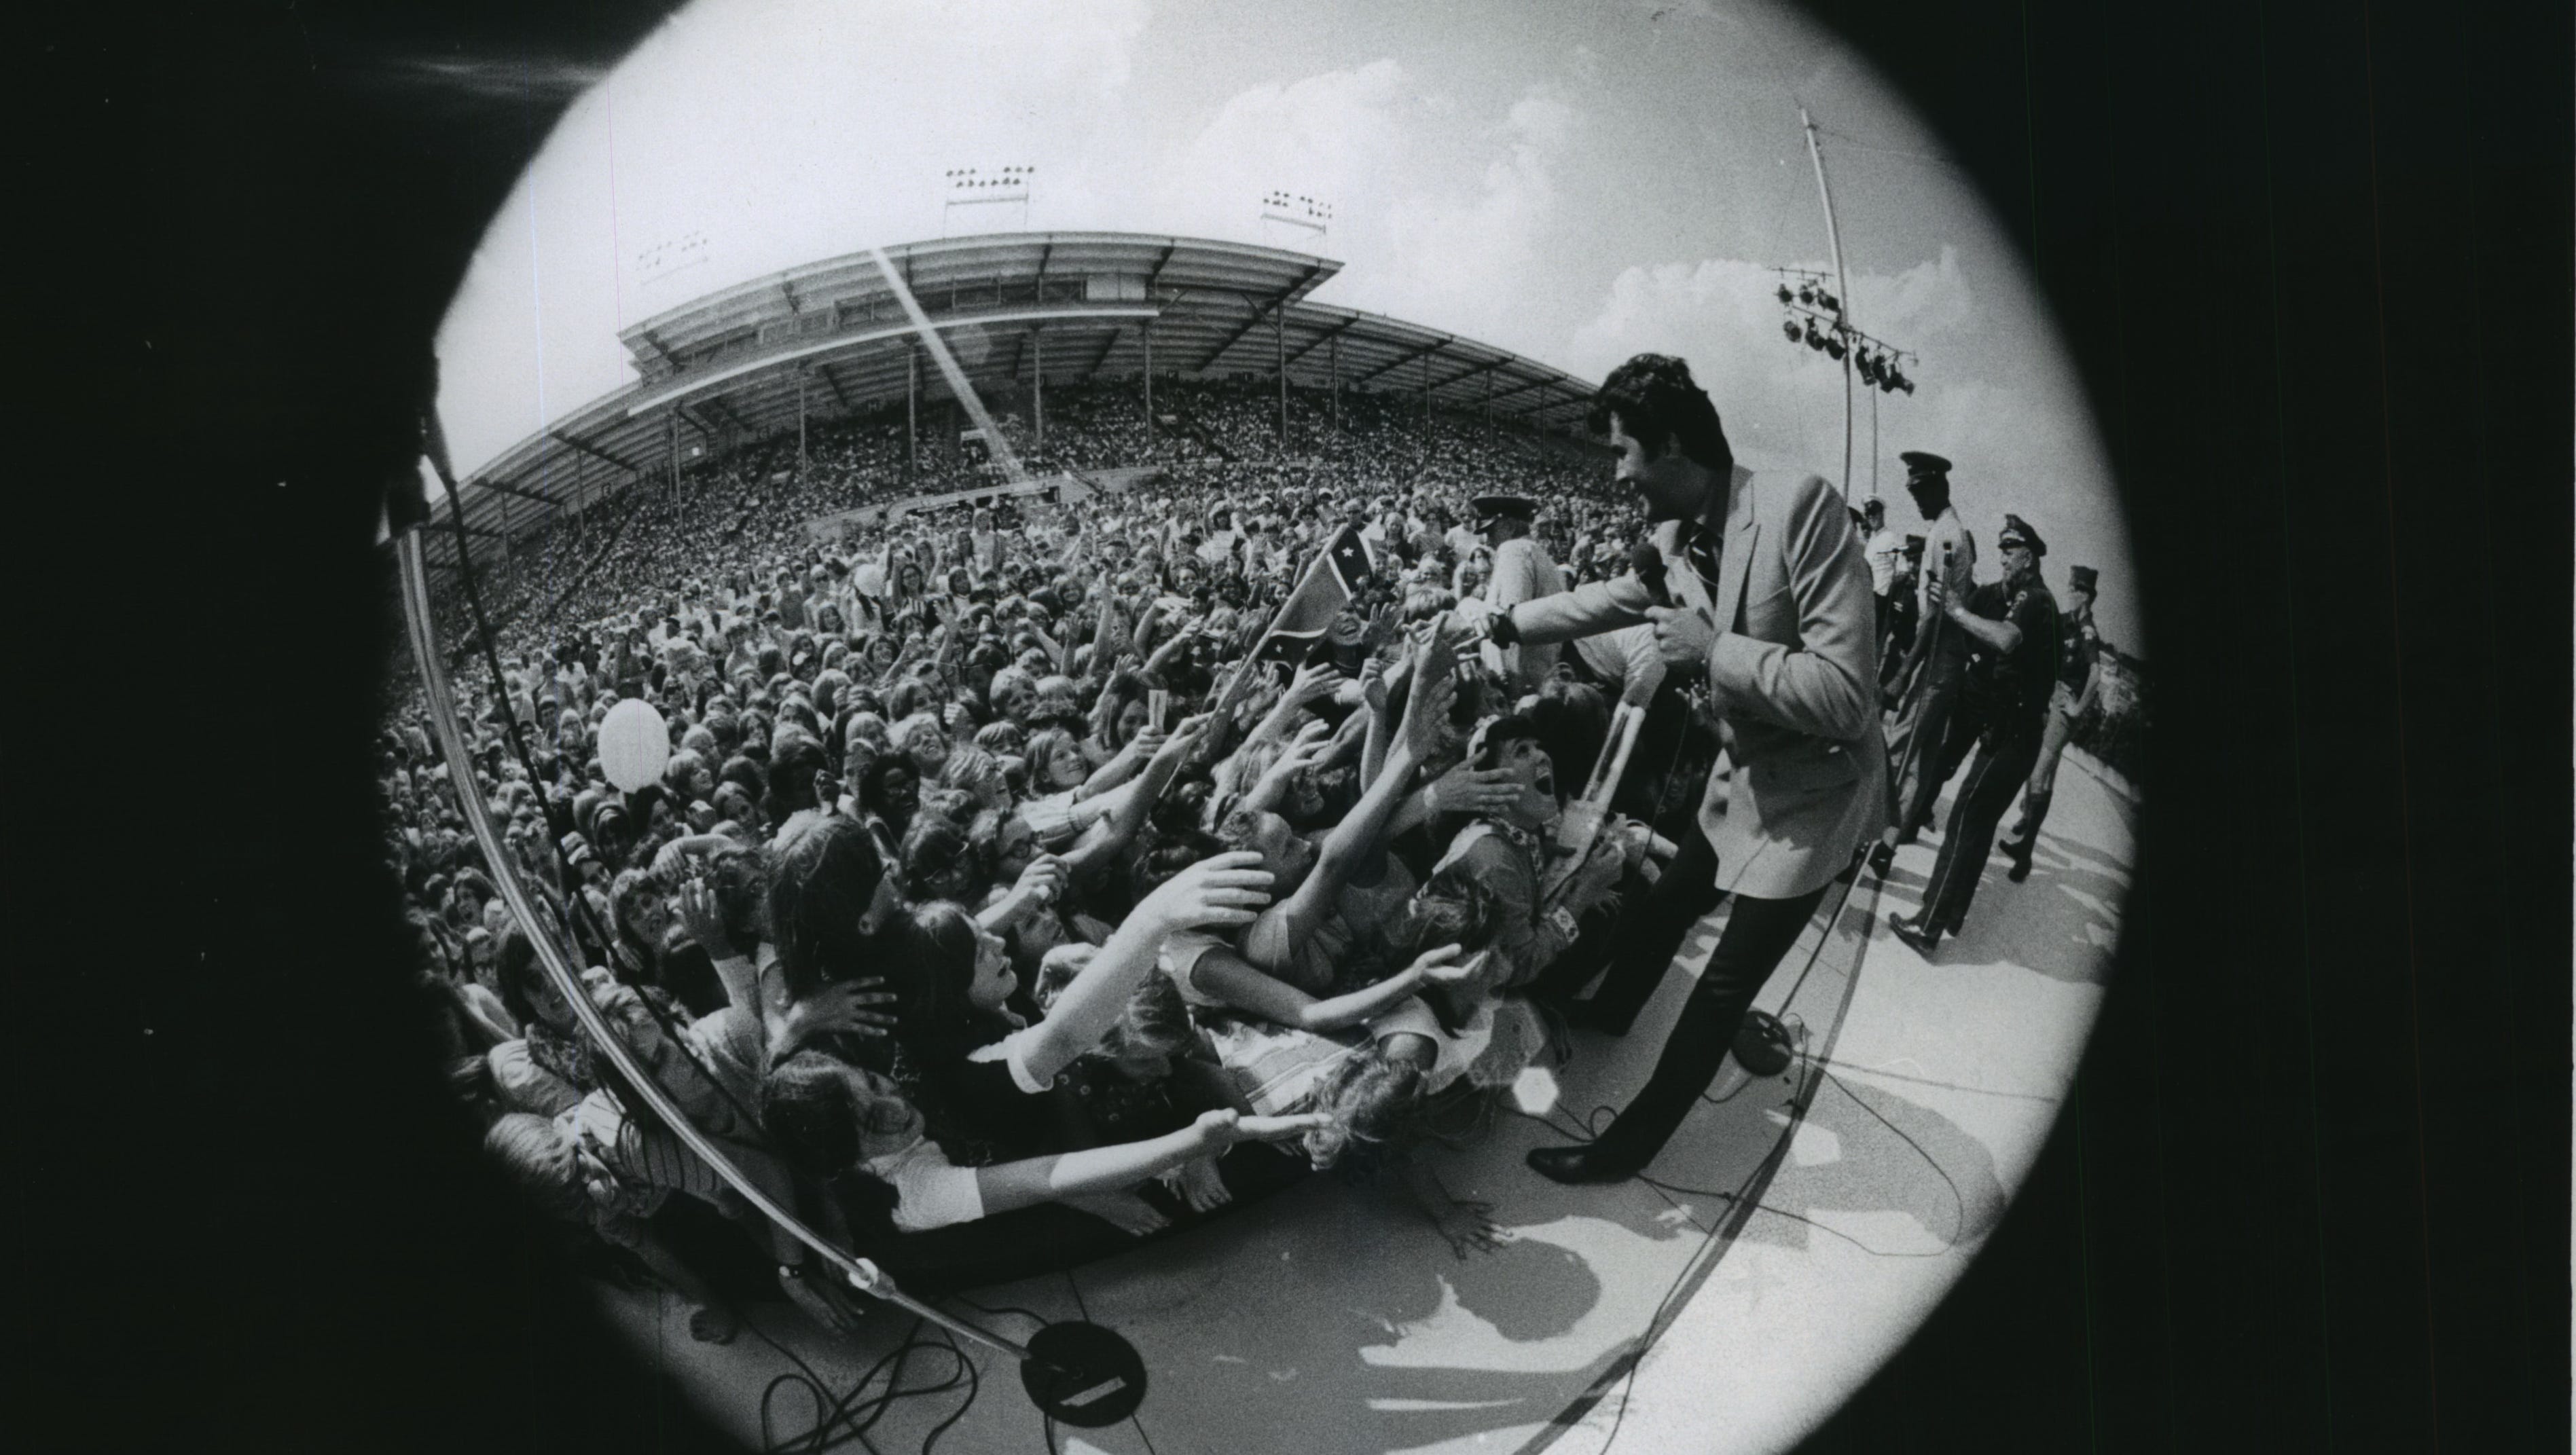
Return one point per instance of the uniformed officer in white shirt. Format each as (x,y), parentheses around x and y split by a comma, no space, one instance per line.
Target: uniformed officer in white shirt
(1522,572)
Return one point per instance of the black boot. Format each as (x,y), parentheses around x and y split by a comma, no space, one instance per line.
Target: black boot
(1918,932)
(2018,856)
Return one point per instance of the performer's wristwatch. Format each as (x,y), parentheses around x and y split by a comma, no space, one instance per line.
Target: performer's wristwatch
(1500,630)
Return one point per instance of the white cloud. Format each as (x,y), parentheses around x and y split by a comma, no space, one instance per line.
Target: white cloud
(1438,212)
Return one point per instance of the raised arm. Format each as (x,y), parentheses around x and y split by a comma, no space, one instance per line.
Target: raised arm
(1220,893)
(1246,987)
(1272,938)
(1133,802)
(1588,610)
(1013,1185)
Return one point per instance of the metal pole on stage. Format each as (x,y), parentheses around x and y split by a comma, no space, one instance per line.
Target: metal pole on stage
(1842,287)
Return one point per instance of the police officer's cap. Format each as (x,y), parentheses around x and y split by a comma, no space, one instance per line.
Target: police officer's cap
(2018,529)
(1924,465)
(1515,507)
(2083,578)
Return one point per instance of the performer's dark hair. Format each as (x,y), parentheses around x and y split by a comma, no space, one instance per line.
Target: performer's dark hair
(1653,395)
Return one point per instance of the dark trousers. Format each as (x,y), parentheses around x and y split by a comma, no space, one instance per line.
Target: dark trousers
(2004,757)
(1916,743)
(1960,729)
(2054,735)
(1757,934)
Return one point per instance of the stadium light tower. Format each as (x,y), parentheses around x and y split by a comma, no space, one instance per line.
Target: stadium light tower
(985,187)
(1814,315)
(1295,218)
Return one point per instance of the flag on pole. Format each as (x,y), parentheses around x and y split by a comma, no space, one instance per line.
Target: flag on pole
(1331,581)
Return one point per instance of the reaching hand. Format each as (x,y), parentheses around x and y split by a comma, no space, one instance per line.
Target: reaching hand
(1221,1129)
(847,1005)
(1042,881)
(1315,682)
(1224,892)
(1476,791)
(625,1010)
(1682,635)
(1373,690)
(1185,737)
(1146,743)
(1443,967)
(701,917)
(597,1178)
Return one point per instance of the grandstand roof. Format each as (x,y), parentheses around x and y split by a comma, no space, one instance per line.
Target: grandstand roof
(728,367)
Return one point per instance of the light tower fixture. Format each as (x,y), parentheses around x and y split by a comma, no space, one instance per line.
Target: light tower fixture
(1008,186)
(1301,217)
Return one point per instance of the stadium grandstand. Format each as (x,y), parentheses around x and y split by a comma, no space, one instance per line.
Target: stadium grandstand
(829,341)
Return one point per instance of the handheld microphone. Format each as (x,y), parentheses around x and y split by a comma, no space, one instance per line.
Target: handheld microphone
(1648,563)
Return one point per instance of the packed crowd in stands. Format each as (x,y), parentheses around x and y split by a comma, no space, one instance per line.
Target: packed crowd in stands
(997,900)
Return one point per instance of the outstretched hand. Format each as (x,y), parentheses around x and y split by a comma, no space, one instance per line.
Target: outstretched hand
(701,917)
(848,1005)
(1474,791)
(1224,892)
(1225,1127)
(1442,966)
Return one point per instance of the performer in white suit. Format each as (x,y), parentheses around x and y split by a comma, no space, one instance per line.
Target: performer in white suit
(1764,587)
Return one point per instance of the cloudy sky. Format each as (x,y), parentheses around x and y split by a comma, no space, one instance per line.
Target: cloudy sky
(1576,180)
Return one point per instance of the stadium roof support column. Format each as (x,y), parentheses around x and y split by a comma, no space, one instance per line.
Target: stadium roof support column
(911,409)
(1279,337)
(1147,329)
(1333,376)
(803,378)
(1037,383)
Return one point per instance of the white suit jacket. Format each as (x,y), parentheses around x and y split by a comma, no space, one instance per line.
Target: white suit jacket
(1795,672)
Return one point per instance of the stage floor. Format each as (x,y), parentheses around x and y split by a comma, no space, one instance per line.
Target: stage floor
(1804,1224)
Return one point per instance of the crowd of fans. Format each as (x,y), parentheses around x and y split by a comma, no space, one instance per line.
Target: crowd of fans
(971,912)
(999,897)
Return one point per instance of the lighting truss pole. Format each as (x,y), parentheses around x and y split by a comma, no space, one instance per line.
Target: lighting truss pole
(1820,319)
(1842,285)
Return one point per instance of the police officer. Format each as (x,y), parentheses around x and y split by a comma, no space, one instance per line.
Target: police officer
(2012,627)
(2079,651)
(1928,683)
(1896,638)
(1522,572)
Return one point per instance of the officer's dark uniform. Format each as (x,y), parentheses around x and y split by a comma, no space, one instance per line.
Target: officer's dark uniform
(2003,711)
(2078,646)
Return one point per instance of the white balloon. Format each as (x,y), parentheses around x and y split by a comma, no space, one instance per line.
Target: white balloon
(634,744)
